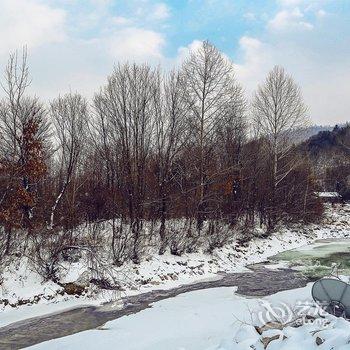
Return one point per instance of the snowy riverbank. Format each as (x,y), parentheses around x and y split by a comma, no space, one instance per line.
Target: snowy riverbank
(21,285)
(211,319)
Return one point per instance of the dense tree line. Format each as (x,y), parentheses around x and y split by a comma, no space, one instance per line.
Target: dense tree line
(329,152)
(180,153)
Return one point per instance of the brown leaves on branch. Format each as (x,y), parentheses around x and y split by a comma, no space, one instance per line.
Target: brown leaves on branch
(21,176)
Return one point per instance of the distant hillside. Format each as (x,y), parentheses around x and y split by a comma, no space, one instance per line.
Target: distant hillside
(314,130)
(334,143)
(306,133)
(329,153)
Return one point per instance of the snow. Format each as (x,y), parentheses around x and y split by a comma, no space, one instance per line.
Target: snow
(163,272)
(337,337)
(168,271)
(328,194)
(25,284)
(188,321)
(206,320)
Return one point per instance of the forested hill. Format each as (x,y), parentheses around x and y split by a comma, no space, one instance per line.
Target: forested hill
(334,142)
(329,152)
(313,130)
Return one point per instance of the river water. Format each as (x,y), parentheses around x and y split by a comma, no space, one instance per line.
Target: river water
(319,259)
(295,268)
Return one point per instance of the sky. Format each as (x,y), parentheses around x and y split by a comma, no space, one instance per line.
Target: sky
(73,44)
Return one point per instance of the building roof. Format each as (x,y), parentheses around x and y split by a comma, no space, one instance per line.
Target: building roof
(328,194)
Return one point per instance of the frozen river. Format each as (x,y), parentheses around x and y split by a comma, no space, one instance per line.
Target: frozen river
(197,316)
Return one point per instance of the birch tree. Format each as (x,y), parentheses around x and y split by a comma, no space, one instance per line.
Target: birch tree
(278,113)
(208,77)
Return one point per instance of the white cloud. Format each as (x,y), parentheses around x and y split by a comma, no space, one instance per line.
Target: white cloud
(291,16)
(324,93)
(136,44)
(30,23)
(82,46)
(250,45)
(83,65)
(289,20)
(256,61)
(321,13)
(61,56)
(184,51)
(160,12)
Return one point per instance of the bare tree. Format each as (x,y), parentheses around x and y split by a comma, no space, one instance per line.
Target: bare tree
(69,114)
(164,158)
(17,109)
(208,78)
(170,135)
(101,137)
(24,133)
(278,113)
(127,102)
(230,137)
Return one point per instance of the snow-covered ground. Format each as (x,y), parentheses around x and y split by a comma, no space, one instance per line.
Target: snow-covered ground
(207,320)
(20,283)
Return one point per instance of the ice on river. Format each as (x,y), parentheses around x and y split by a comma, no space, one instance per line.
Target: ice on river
(319,259)
(202,320)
